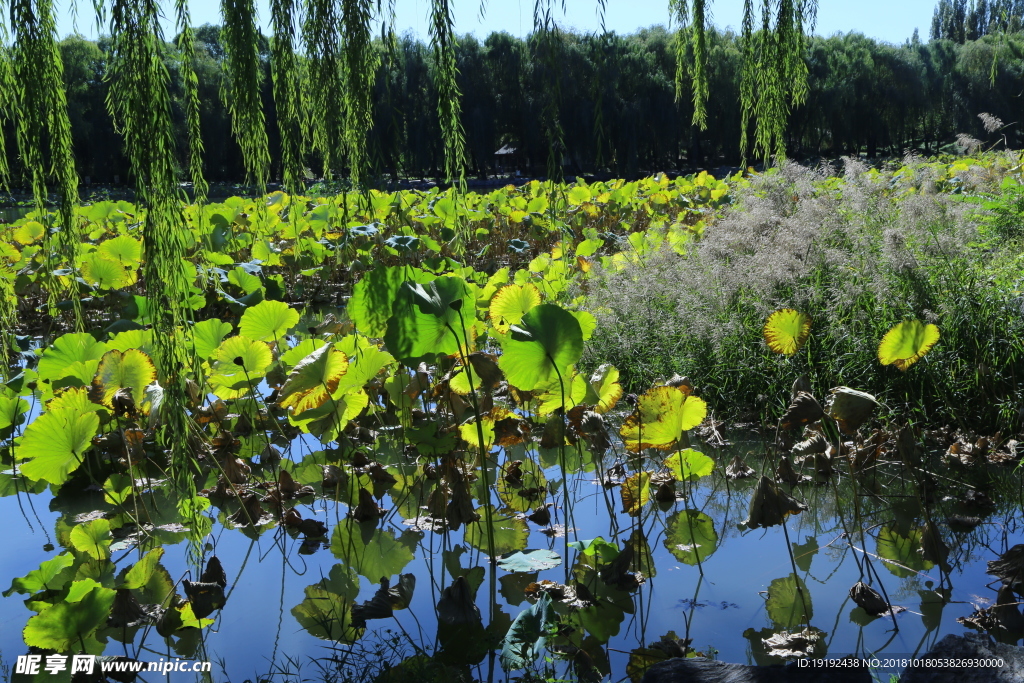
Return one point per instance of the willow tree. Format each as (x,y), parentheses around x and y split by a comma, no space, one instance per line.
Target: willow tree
(322,66)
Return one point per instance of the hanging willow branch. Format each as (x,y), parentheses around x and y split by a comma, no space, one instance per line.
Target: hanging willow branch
(287,77)
(324,86)
(449,109)
(360,68)
(549,45)
(187,50)
(241,39)
(42,121)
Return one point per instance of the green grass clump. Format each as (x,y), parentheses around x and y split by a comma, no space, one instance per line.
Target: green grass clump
(858,253)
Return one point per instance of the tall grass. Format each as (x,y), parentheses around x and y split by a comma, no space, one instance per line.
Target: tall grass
(858,252)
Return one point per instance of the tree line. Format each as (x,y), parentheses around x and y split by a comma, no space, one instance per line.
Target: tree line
(587,103)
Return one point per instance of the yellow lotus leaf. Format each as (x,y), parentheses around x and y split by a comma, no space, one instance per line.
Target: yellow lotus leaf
(511,303)
(907,343)
(786,330)
(635,493)
(660,418)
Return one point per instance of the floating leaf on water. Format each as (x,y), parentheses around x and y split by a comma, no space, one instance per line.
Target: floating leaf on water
(326,611)
(738,469)
(522,485)
(689,465)
(786,330)
(906,343)
(849,407)
(804,410)
(800,645)
(690,536)
(901,554)
(789,602)
(770,505)
(529,560)
(661,416)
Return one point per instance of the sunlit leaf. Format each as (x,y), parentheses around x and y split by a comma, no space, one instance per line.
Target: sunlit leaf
(510,304)
(93,538)
(541,349)
(142,571)
(436,317)
(53,443)
(901,554)
(29,232)
(311,382)
(51,575)
(122,249)
(60,359)
(661,417)
(635,493)
(786,330)
(689,465)
(529,560)
(207,336)
(267,320)
(906,343)
(105,273)
(68,625)
(132,369)
(605,385)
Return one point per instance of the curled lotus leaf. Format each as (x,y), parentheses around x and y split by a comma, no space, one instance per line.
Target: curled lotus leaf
(786,330)
(850,408)
(803,410)
(312,381)
(907,343)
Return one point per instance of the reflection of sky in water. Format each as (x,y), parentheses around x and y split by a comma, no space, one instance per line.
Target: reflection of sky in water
(256,633)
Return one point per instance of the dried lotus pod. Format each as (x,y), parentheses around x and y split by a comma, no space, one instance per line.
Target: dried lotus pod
(868,599)
(803,410)
(770,505)
(738,469)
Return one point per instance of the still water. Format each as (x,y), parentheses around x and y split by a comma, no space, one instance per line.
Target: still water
(726,604)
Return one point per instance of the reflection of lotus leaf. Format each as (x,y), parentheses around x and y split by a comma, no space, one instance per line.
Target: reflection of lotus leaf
(690,536)
(789,602)
(770,505)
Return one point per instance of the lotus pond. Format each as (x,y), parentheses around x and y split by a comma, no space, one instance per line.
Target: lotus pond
(358,458)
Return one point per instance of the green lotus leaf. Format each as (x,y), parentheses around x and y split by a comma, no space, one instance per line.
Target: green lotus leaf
(605,390)
(510,533)
(661,417)
(689,465)
(436,317)
(142,571)
(691,536)
(69,625)
(54,442)
(907,343)
(365,361)
(328,615)
(134,339)
(51,575)
(544,346)
(132,369)
(292,356)
(239,363)
(529,560)
(267,321)
(311,382)
(789,602)
(901,554)
(207,336)
(93,538)
(107,274)
(11,408)
(587,321)
(579,194)
(122,249)
(327,422)
(67,350)
(373,297)
(370,551)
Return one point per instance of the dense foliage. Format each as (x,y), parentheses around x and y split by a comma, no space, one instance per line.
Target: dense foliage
(616,103)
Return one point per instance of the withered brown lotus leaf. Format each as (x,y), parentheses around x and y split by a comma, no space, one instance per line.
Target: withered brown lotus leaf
(850,408)
(933,548)
(457,604)
(510,431)
(738,469)
(814,444)
(287,485)
(803,410)
(785,472)
(334,476)
(542,515)
(367,509)
(235,470)
(381,475)
(250,513)
(798,644)
(485,367)
(800,384)
(460,508)
(770,505)
(513,473)
(124,403)
(214,572)
(128,612)
(1009,568)
(868,599)
(204,596)
(682,383)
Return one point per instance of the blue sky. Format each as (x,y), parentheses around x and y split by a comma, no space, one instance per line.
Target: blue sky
(890,20)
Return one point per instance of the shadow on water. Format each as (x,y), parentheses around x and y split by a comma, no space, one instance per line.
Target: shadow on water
(379,567)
